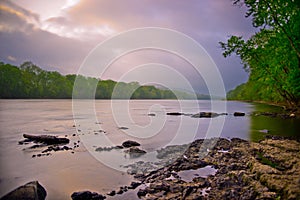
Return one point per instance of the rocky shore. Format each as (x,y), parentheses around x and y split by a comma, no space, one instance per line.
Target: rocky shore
(269,169)
(219,168)
(215,168)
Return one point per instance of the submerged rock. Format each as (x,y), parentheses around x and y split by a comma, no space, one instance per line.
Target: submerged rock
(30,191)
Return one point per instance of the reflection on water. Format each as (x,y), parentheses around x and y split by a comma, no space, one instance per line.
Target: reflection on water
(262,125)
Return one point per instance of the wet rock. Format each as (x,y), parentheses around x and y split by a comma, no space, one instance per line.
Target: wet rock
(108,148)
(238,114)
(134,185)
(172,151)
(85,195)
(130,143)
(30,191)
(141,193)
(269,169)
(187,192)
(56,148)
(120,191)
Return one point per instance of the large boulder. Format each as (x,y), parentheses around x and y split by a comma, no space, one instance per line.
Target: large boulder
(130,143)
(30,191)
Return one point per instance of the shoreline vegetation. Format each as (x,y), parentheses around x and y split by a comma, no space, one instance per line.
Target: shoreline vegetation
(271,55)
(31,82)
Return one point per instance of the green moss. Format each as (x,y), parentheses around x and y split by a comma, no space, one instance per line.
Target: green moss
(266,161)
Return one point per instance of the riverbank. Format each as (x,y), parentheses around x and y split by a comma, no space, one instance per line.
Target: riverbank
(215,168)
(269,169)
(284,107)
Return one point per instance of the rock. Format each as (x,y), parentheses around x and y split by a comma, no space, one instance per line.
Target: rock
(130,143)
(175,113)
(120,191)
(269,169)
(30,191)
(112,193)
(123,128)
(187,192)
(151,114)
(135,152)
(238,114)
(134,185)
(141,193)
(206,115)
(46,139)
(87,195)
(292,115)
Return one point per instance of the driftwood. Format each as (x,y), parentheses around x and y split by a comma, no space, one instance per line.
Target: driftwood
(46,139)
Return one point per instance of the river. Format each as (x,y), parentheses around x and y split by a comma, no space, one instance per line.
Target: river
(109,124)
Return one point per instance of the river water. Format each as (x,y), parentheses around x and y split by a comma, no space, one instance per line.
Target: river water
(103,123)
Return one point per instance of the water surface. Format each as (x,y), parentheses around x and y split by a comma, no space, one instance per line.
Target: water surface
(63,172)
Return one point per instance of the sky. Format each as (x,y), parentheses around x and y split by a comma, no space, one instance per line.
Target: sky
(59,34)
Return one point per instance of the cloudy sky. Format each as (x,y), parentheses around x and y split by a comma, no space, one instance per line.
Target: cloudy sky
(59,34)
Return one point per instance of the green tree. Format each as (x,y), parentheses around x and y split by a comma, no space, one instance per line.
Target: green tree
(271,55)
(11,83)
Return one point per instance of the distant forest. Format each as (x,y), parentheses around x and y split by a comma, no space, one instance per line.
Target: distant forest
(30,81)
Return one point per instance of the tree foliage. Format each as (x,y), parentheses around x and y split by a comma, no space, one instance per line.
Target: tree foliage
(271,55)
(30,81)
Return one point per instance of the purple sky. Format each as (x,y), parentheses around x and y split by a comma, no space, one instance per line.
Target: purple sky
(59,34)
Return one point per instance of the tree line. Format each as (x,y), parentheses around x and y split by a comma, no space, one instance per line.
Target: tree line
(271,55)
(30,81)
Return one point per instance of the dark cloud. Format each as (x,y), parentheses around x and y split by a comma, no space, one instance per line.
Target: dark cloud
(24,41)
(13,17)
(64,41)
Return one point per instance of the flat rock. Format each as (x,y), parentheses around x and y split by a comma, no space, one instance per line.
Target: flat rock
(269,169)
